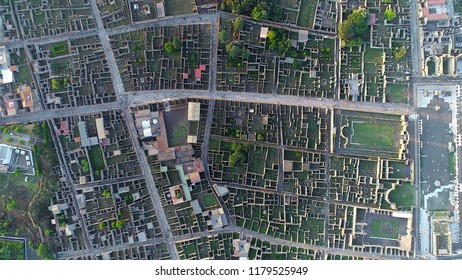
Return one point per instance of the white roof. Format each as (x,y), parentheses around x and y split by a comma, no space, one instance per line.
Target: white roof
(147,132)
(7,76)
(5,153)
(145,124)
(264,32)
(160,9)
(194,111)
(100,128)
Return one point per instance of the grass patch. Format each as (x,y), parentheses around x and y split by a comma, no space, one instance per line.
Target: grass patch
(214,145)
(385,229)
(403,196)
(59,49)
(396,93)
(11,250)
(179,135)
(307,13)
(257,159)
(96,158)
(210,200)
(373,55)
(371,134)
(452,163)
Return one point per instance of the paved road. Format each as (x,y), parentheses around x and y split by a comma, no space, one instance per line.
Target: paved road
(145,97)
(58,113)
(416,40)
(232,229)
(120,91)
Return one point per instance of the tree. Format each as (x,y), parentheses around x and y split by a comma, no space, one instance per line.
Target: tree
(120,223)
(259,13)
(55,84)
(106,193)
(400,53)
(6,130)
(271,35)
(44,252)
(101,225)
(389,13)
(238,24)
(354,27)
(11,205)
(168,47)
(85,166)
(233,50)
(176,43)
(245,53)
(223,36)
(260,137)
(17,172)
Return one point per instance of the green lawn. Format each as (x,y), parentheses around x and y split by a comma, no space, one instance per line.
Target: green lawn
(179,135)
(96,158)
(214,145)
(452,163)
(178,7)
(396,93)
(372,134)
(210,200)
(307,13)
(373,55)
(385,229)
(11,250)
(403,196)
(257,159)
(399,169)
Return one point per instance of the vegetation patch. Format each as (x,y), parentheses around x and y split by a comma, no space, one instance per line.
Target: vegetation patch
(59,49)
(11,250)
(371,134)
(385,229)
(403,196)
(210,200)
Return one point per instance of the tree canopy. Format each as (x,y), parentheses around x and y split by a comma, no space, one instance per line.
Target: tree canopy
(234,50)
(176,43)
(55,84)
(354,28)
(400,53)
(85,166)
(44,252)
(168,47)
(278,41)
(257,9)
(389,13)
(223,36)
(238,24)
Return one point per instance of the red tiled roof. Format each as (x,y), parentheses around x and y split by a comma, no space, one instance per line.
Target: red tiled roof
(63,127)
(373,19)
(198,73)
(202,67)
(432,17)
(436,2)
